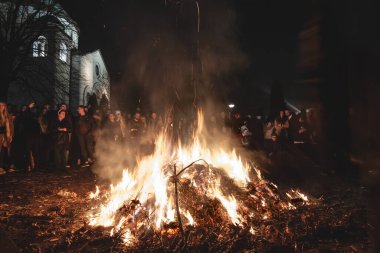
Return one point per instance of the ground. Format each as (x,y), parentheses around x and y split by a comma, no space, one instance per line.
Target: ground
(46,212)
(38,208)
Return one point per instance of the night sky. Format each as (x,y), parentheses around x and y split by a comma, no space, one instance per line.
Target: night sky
(266,32)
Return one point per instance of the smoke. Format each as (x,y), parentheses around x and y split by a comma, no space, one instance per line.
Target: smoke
(179,54)
(169,59)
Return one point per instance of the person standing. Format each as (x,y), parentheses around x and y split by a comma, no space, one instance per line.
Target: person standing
(6,135)
(280,133)
(136,127)
(119,119)
(292,125)
(60,130)
(83,129)
(69,120)
(44,147)
(31,131)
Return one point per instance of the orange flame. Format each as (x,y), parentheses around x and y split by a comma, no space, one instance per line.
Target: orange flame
(150,183)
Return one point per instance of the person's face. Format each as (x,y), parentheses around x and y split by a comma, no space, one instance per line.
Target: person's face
(32,105)
(80,110)
(281,113)
(63,107)
(62,115)
(287,113)
(111,117)
(117,115)
(137,116)
(2,106)
(154,115)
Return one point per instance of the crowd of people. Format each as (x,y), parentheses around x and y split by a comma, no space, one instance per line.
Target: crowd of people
(54,139)
(284,131)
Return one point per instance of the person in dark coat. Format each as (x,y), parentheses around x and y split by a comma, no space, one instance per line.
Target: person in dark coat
(292,125)
(83,129)
(44,150)
(257,132)
(136,127)
(60,129)
(279,133)
(69,120)
(31,130)
(111,130)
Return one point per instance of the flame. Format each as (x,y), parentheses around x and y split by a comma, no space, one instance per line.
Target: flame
(95,194)
(230,204)
(151,183)
(293,194)
(189,218)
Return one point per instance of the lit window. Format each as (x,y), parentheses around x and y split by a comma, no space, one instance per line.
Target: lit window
(63,52)
(40,47)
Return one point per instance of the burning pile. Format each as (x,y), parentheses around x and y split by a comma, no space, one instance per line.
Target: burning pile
(191,194)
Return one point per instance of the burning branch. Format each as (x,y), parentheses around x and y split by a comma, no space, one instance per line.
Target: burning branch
(174,179)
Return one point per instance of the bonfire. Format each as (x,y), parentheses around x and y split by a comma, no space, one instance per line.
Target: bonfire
(180,196)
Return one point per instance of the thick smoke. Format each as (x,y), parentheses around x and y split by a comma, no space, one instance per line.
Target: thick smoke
(181,54)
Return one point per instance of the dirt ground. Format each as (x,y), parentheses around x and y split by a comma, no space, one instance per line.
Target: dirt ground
(38,208)
(46,212)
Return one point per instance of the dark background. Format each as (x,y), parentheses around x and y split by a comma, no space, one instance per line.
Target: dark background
(266,32)
(267,35)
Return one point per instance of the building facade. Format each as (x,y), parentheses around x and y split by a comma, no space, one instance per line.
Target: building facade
(54,70)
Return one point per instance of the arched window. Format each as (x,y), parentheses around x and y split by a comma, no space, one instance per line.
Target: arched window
(97,70)
(63,52)
(40,47)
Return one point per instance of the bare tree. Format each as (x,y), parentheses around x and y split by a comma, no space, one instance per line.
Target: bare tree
(21,24)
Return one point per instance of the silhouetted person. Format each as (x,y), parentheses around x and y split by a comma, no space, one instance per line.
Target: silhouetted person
(83,128)
(292,125)
(45,138)
(60,130)
(31,131)
(6,135)
(111,131)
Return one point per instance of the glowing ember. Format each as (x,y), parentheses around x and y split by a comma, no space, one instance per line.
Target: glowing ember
(218,180)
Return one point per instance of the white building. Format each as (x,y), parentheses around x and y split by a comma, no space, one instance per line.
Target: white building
(54,71)
(92,78)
